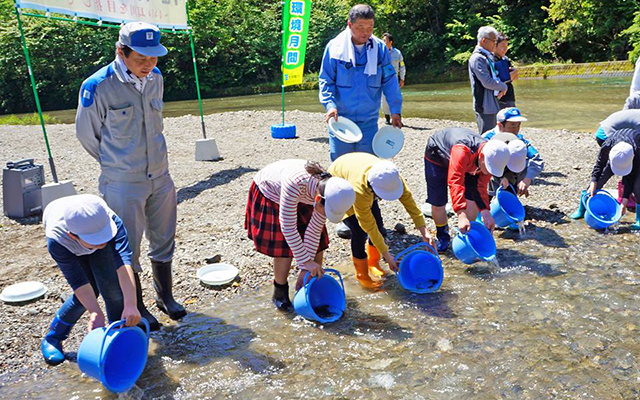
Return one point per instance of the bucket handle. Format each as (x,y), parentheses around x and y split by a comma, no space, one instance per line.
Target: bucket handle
(307,281)
(114,325)
(515,192)
(410,248)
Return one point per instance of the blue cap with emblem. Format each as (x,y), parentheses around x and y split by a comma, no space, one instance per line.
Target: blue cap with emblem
(143,38)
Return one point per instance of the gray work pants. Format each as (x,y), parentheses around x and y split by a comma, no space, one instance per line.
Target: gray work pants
(146,206)
(485,122)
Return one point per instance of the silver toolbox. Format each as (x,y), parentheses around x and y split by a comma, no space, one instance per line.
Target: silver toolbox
(22,188)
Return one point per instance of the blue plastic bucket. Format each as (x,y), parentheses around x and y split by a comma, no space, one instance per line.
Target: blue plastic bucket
(506,208)
(420,271)
(321,300)
(477,244)
(602,210)
(115,357)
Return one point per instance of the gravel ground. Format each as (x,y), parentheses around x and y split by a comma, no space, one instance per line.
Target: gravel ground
(212,199)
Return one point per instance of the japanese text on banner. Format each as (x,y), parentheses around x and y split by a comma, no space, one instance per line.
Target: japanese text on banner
(170,14)
(295,25)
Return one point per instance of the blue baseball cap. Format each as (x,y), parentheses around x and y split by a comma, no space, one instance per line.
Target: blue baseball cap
(143,38)
(510,114)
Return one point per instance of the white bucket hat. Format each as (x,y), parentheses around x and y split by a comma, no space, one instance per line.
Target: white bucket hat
(518,158)
(385,180)
(338,198)
(87,217)
(621,159)
(496,156)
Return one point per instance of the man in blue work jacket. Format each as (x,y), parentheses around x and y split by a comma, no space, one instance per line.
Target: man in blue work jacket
(356,69)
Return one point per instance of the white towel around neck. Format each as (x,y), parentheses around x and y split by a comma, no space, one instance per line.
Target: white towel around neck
(342,49)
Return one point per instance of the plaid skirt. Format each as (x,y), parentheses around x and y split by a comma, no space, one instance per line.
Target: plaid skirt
(262,223)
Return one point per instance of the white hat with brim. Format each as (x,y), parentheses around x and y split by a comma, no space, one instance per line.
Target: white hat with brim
(621,159)
(385,180)
(339,196)
(496,156)
(87,216)
(518,158)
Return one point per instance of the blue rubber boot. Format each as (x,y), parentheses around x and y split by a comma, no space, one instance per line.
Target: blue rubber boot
(636,226)
(579,213)
(51,345)
(444,239)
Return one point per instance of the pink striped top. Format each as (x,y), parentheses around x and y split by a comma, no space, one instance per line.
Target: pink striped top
(287,183)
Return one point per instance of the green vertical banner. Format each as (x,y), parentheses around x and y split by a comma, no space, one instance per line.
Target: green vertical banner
(295,26)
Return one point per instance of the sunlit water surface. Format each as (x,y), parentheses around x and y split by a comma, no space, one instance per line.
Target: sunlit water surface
(559,318)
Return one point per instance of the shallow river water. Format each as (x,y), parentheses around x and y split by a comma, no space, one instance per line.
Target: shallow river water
(577,104)
(559,319)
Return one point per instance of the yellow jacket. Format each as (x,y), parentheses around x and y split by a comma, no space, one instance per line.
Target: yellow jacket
(354,168)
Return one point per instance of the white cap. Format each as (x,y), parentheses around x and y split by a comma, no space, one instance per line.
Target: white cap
(518,158)
(621,159)
(496,155)
(385,180)
(338,198)
(87,217)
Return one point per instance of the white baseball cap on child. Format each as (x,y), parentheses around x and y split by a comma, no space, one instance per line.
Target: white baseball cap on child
(339,196)
(496,156)
(621,159)
(518,158)
(385,180)
(87,217)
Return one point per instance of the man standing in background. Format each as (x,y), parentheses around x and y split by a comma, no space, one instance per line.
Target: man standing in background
(356,69)
(486,86)
(398,64)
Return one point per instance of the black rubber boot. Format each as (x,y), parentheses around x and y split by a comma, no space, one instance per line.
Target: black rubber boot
(154,325)
(281,296)
(162,282)
(387,117)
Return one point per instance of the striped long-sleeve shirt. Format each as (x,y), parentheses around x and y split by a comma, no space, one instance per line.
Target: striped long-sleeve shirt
(287,183)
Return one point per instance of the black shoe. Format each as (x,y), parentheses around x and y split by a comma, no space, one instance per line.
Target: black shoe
(154,325)
(163,283)
(281,297)
(388,119)
(343,231)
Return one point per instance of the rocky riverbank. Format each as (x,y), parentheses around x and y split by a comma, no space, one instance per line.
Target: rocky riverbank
(212,198)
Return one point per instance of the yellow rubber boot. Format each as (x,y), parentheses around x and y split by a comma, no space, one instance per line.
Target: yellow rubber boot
(362,274)
(373,261)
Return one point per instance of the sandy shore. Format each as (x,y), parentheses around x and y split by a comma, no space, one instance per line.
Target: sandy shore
(212,198)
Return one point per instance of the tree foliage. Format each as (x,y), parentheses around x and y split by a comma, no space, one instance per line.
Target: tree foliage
(238,42)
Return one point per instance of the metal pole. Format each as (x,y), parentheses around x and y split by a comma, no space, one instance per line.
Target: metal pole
(35,94)
(195,71)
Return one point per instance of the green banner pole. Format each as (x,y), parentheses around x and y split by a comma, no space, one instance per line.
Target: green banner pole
(35,94)
(195,70)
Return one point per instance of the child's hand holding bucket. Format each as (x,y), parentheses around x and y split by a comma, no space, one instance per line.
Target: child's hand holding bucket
(426,236)
(96,320)
(391,261)
(131,315)
(488,220)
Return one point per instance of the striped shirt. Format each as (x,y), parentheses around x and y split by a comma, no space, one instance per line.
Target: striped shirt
(287,183)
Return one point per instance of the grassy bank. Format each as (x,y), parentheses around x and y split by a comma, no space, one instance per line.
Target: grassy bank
(28,119)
